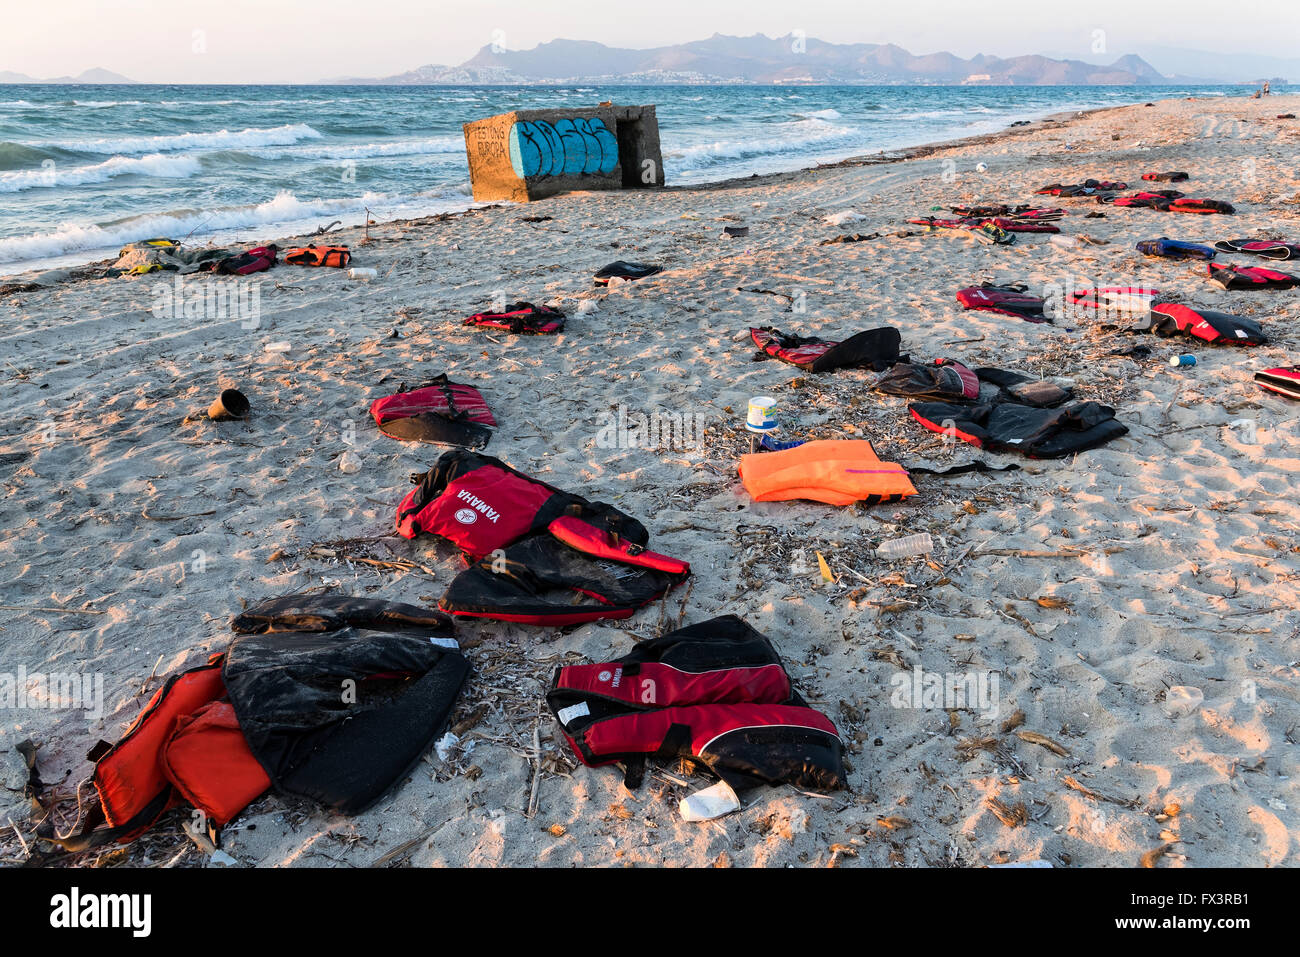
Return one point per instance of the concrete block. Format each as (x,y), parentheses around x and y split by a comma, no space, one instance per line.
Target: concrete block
(529,154)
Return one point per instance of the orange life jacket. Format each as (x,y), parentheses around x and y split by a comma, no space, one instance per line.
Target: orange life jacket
(834,471)
(336,256)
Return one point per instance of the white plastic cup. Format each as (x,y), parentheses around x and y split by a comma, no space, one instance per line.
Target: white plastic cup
(762,414)
(920,544)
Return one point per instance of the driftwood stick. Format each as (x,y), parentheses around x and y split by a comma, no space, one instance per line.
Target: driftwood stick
(60,611)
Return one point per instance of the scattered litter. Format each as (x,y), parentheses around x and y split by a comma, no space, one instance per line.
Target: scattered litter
(709,803)
(1182,700)
(844,216)
(920,544)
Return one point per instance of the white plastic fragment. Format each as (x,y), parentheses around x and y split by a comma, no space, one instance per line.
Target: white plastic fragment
(709,803)
(444,745)
(1182,699)
(844,216)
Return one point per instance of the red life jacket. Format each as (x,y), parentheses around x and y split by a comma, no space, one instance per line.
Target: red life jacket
(442,412)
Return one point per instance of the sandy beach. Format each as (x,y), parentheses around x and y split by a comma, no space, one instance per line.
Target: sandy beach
(1081,588)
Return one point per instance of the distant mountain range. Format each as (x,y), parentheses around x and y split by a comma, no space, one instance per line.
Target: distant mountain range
(761,59)
(96,75)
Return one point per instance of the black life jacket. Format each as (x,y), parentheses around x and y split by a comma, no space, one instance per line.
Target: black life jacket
(521,318)
(874,348)
(480,504)
(1250,277)
(1036,433)
(1089,187)
(941,379)
(625,270)
(326,697)
(1005,300)
(1175,176)
(714,692)
(541,578)
(1268,248)
(1021,212)
(441,412)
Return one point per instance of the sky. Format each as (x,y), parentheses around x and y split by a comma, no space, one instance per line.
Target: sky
(302,41)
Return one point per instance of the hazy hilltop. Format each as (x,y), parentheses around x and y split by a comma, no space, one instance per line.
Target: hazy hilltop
(95,75)
(762,59)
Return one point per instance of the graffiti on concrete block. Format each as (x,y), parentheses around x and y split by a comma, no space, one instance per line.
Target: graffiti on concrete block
(569,147)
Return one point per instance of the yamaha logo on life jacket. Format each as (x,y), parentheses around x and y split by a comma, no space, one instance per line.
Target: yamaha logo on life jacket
(478,505)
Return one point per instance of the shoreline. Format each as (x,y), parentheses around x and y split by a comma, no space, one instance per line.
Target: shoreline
(75,262)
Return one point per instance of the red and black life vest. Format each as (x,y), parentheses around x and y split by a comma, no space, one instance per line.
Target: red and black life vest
(873,348)
(1194,205)
(258,259)
(480,504)
(1250,277)
(336,256)
(441,412)
(1268,248)
(713,692)
(1150,199)
(1171,318)
(1089,187)
(1174,176)
(1006,300)
(521,318)
(1284,380)
(1022,212)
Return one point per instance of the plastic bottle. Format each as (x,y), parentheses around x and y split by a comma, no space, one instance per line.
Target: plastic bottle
(895,548)
(1061,239)
(363,272)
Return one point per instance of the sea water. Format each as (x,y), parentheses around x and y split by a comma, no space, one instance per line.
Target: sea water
(85,169)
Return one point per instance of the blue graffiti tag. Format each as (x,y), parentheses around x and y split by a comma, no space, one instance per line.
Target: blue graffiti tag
(571,147)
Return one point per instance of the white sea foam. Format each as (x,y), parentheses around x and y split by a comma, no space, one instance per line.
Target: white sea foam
(219,139)
(156,164)
(283,212)
(434,145)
